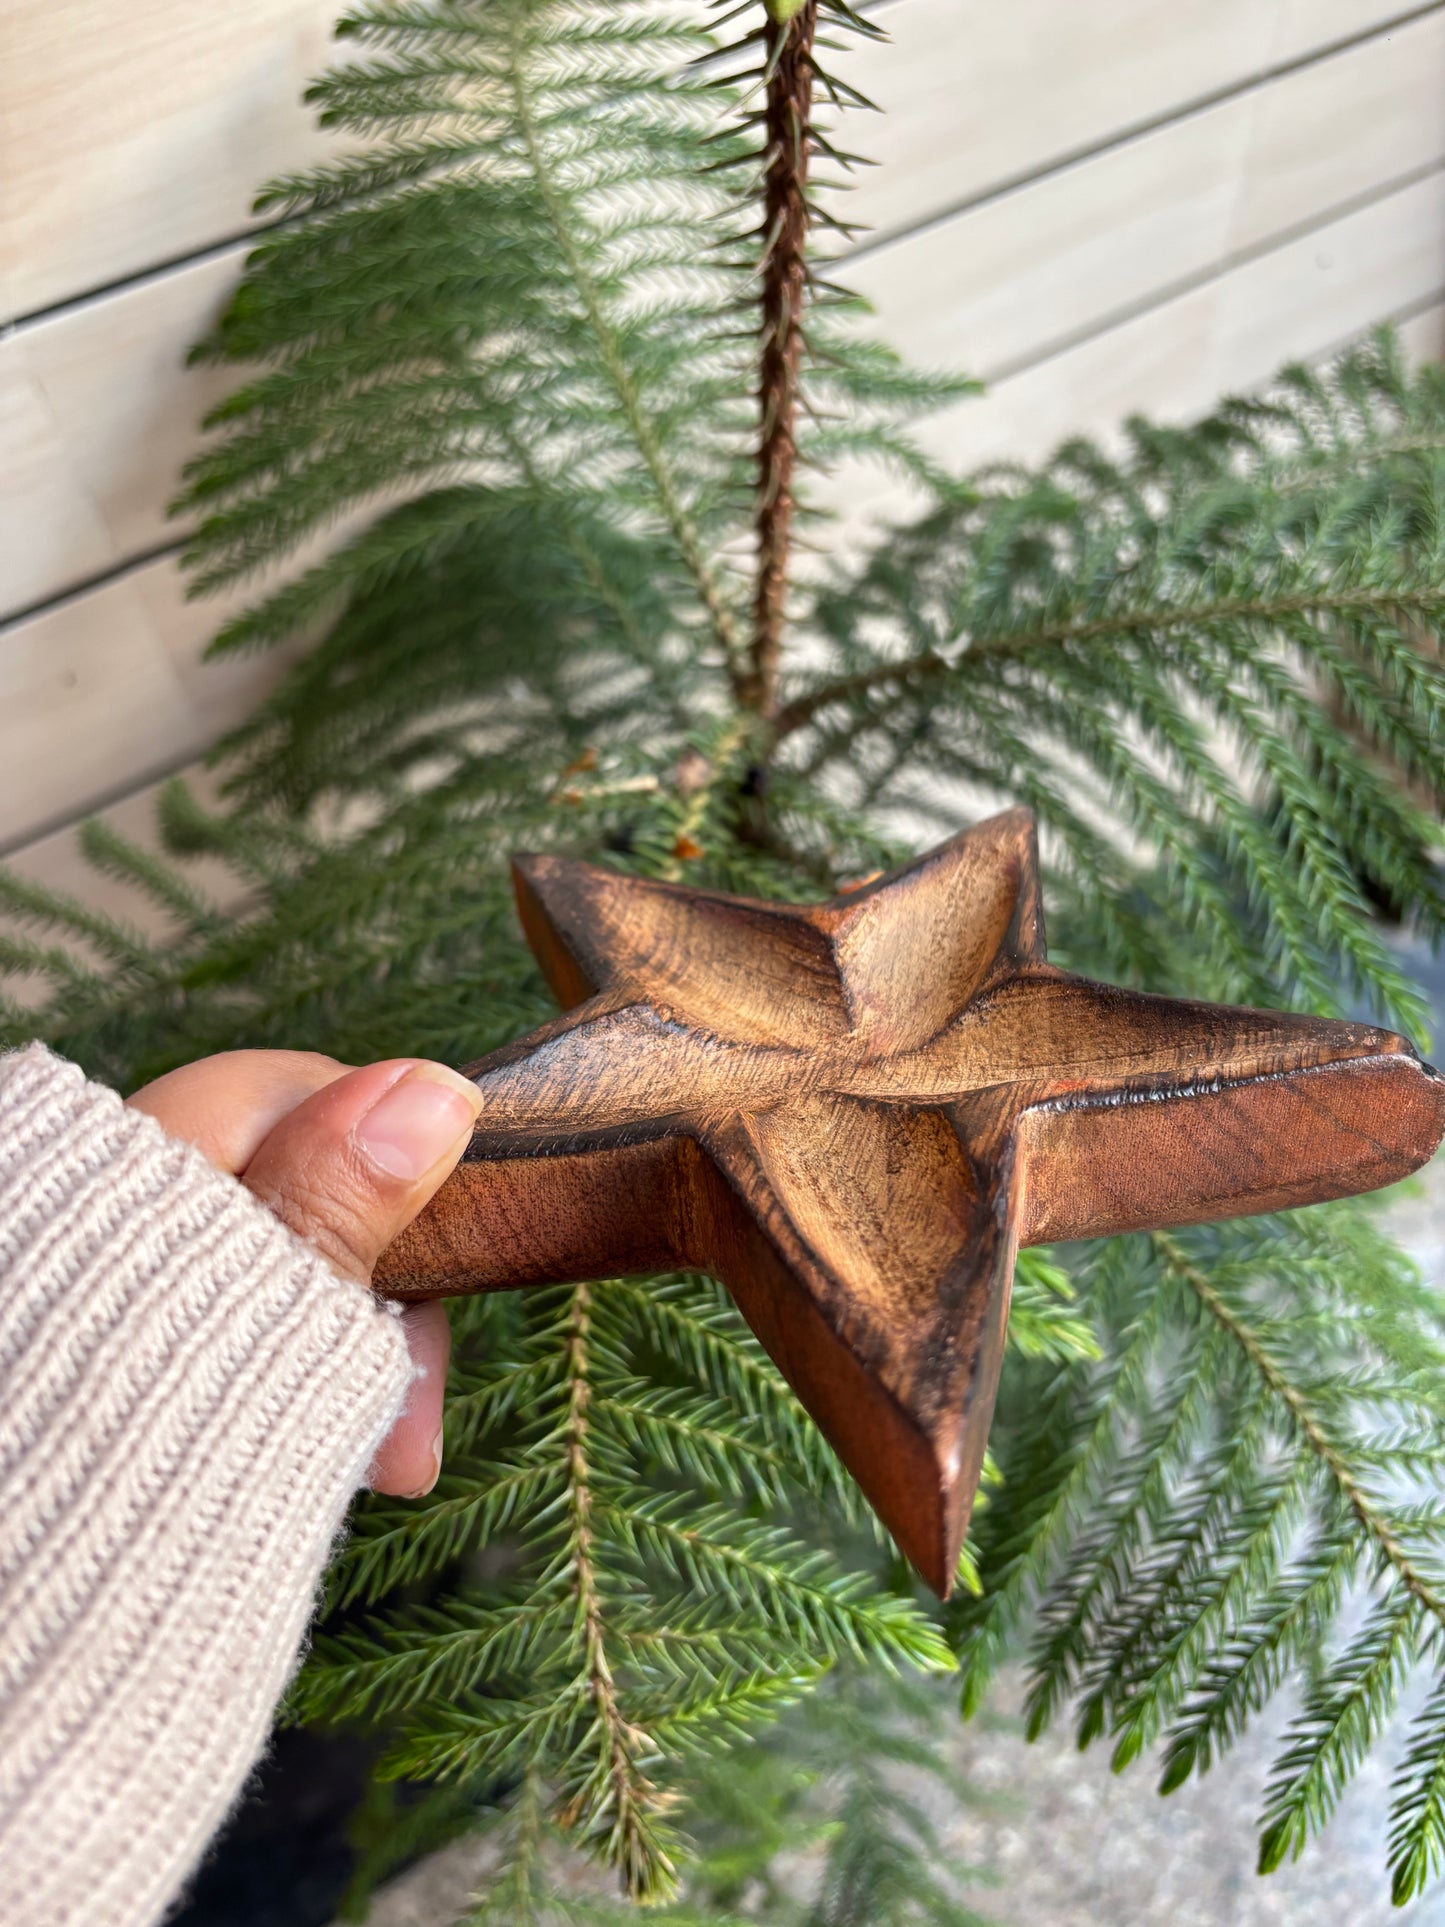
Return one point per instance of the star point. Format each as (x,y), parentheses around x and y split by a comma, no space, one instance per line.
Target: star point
(854,1112)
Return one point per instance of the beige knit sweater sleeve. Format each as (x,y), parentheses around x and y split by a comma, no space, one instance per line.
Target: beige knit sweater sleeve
(189,1397)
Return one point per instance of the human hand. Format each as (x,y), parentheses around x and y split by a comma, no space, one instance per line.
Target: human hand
(346,1158)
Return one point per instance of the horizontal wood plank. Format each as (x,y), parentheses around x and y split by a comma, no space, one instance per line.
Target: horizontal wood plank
(107,689)
(137,135)
(1174,360)
(1422,336)
(1003,284)
(58,862)
(1228,335)
(977,94)
(97,412)
(1145,276)
(109,686)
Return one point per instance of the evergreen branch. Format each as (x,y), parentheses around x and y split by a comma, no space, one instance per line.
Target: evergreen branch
(686,1434)
(506,1388)
(690,835)
(1035,1536)
(709,1339)
(445,1655)
(401,1545)
(1342,1717)
(114,855)
(764,1568)
(1105,1566)
(517,316)
(1217,1562)
(1155,621)
(630,1796)
(613,360)
(1372,1522)
(1253,1662)
(49,962)
(1417,1819)
(34,903)
(602,583)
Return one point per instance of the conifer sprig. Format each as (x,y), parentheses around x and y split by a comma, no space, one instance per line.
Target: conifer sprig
(1185,1552)
(658,1600)
(833,1785)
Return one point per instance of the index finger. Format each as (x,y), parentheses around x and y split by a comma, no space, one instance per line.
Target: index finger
(228,1105)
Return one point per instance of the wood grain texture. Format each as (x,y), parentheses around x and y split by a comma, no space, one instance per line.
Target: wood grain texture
(854,1112)
(135,135)
(98,414)
(976,95)
(103,691)
(1004,282)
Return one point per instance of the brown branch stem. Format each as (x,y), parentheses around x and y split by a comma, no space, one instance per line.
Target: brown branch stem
(788,141)
(631,1791)
(923,668)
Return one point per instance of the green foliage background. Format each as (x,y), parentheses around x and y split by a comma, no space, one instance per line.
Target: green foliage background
(498,418)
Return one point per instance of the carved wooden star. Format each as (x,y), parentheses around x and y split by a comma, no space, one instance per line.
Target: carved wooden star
(853,1113)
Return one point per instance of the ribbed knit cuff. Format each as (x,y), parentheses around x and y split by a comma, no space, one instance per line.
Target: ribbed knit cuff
(189,1396)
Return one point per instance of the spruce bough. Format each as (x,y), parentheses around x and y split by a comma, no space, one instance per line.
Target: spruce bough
(544,371)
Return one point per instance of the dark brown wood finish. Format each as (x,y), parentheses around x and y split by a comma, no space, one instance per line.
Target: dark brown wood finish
(855,1112)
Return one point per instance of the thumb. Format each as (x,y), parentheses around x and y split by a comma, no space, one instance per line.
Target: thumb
(350,1168)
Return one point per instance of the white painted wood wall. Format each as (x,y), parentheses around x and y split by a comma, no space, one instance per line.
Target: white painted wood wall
(1097,205)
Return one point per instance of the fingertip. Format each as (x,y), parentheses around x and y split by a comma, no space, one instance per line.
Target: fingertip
(351,1168)
(409,1460)
(420,1121)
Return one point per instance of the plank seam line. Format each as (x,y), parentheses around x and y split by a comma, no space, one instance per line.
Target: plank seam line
(1137,131)
(141,278)
(102,579)
(133,785)
(997,376)
(1172,291)
(999,190)
(1407,311)
(173,264)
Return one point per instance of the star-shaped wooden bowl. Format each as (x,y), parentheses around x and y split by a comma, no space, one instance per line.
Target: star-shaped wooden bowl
(853,1113)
